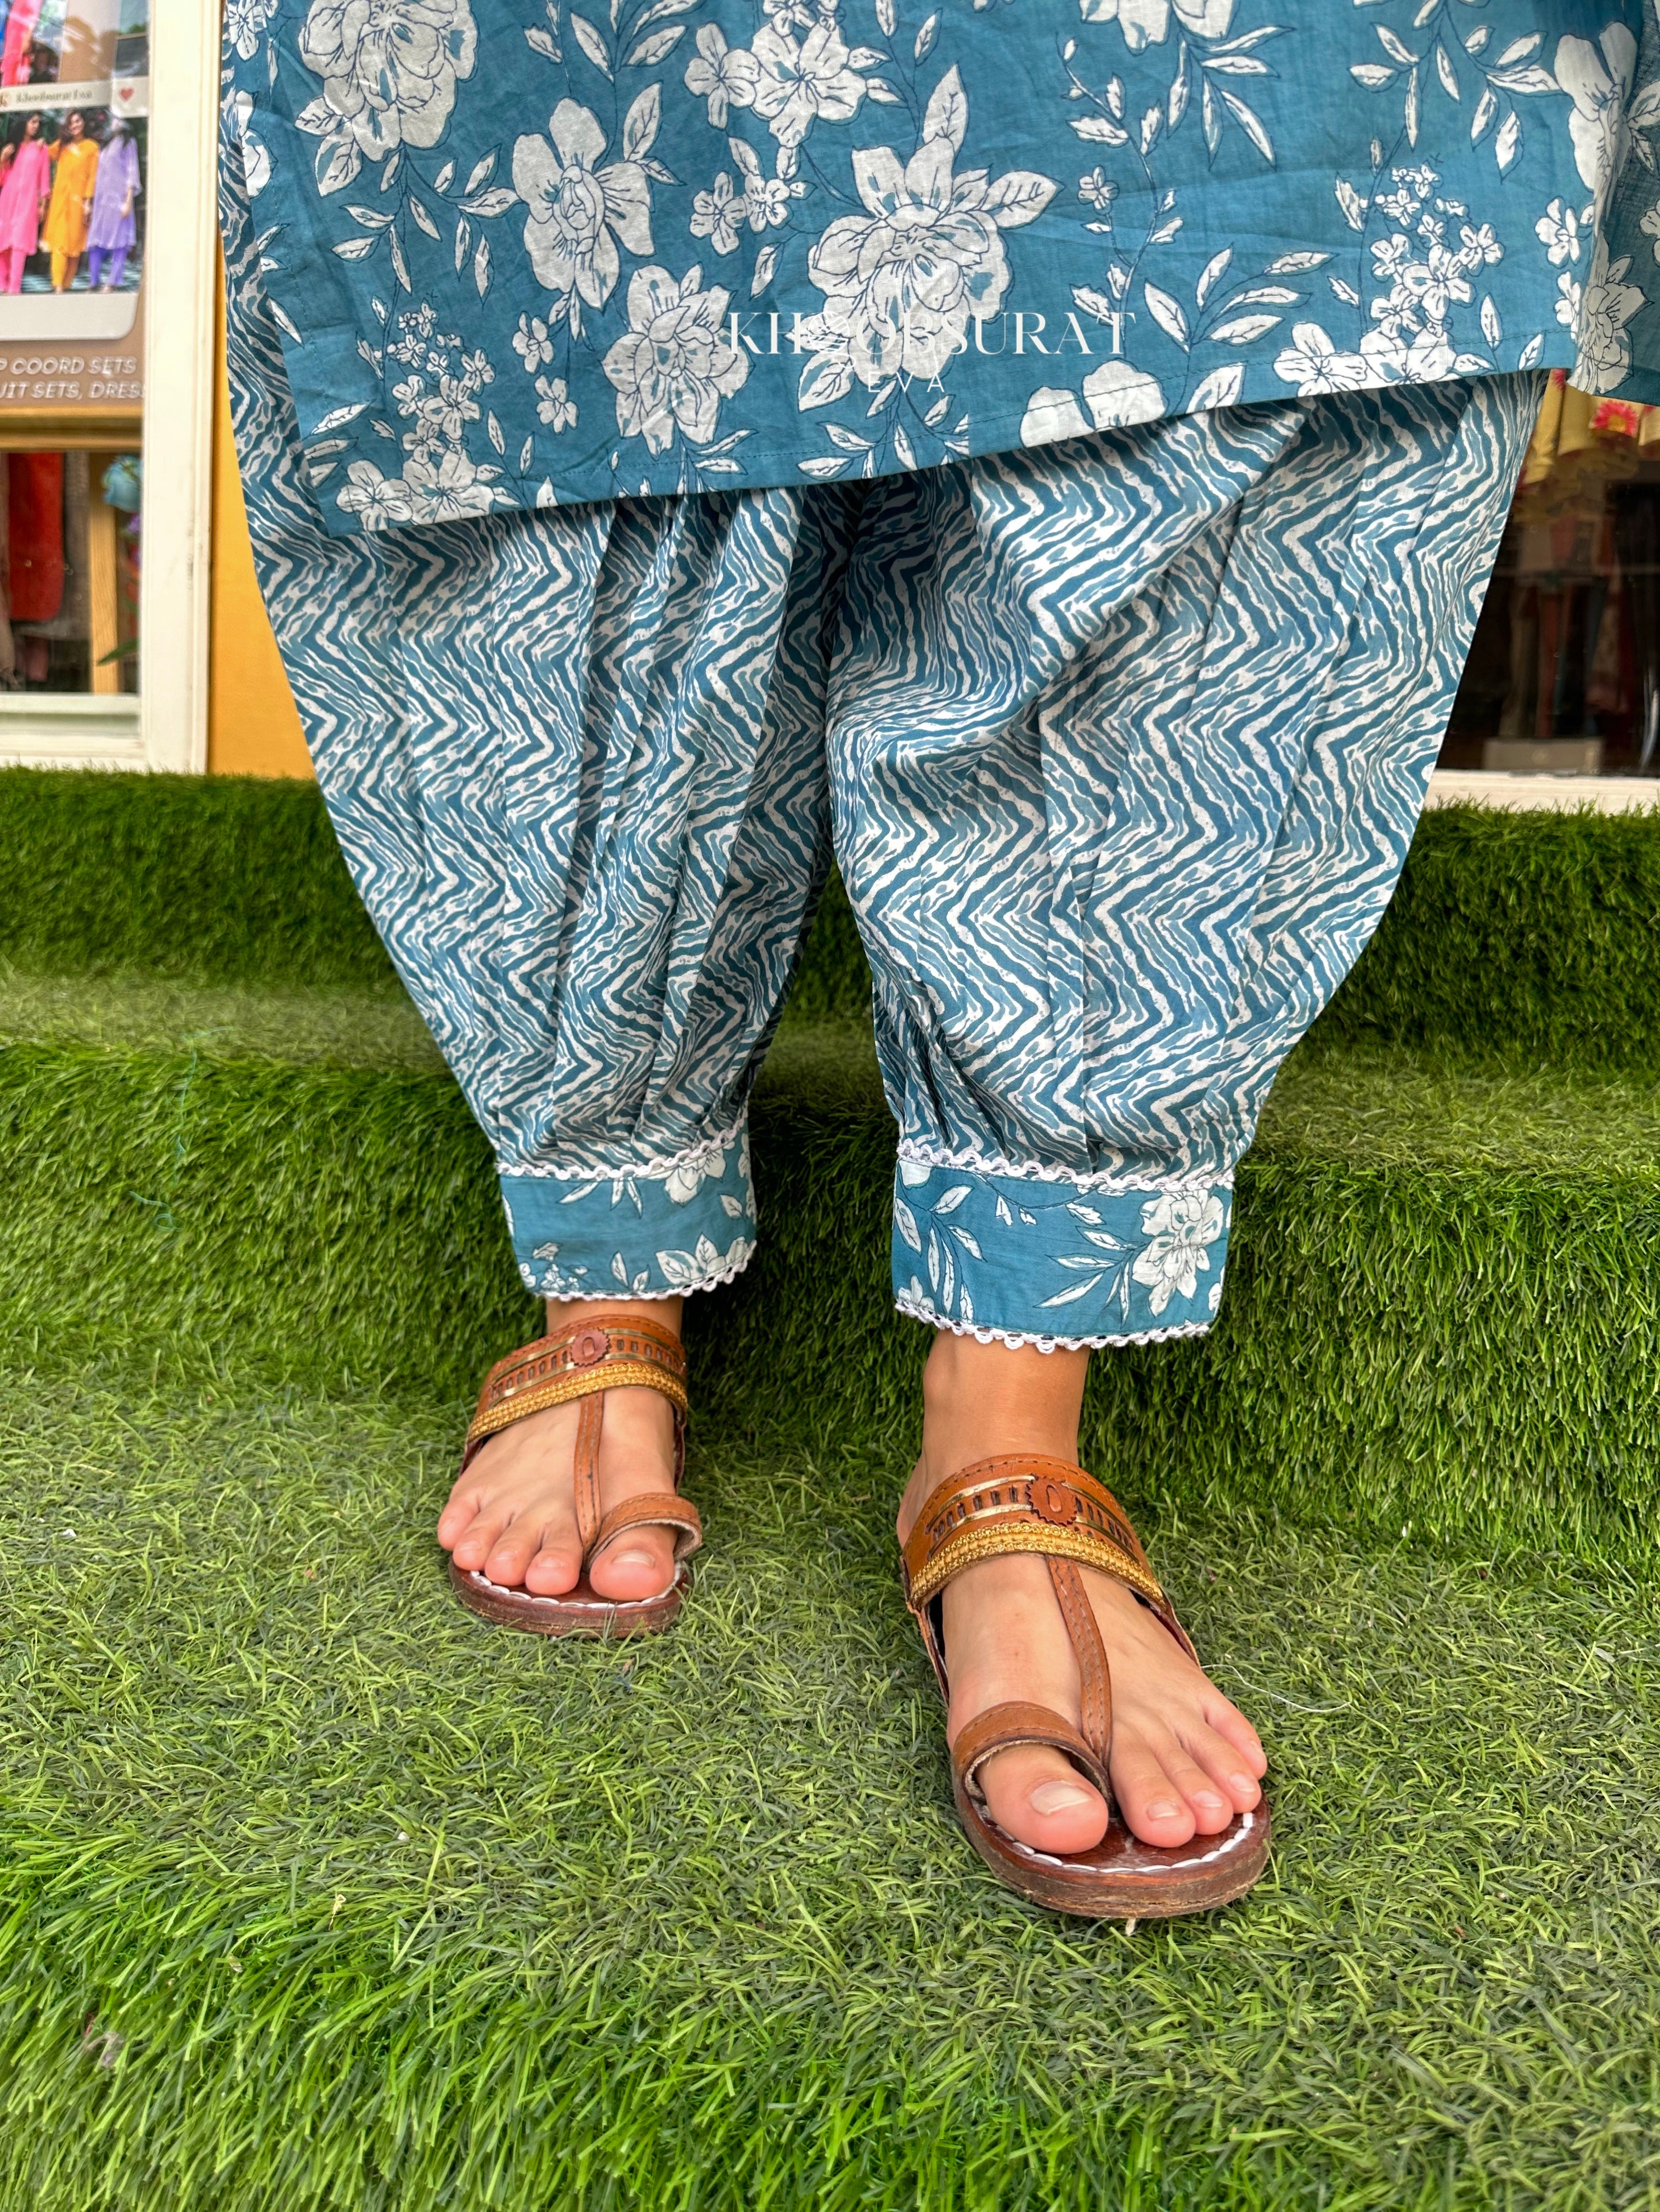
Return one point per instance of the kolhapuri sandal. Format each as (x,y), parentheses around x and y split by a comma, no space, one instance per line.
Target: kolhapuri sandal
(1033,1504)
(584,1360)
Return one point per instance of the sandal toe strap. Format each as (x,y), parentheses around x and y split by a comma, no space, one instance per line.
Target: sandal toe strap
(1005,1728)
(651,1509)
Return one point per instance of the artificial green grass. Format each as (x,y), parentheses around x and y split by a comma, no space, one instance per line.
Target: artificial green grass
(322,1895)
(1536,933)
(1443,1310)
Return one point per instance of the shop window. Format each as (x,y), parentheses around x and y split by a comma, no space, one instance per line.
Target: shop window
(69,572)
(1564,676)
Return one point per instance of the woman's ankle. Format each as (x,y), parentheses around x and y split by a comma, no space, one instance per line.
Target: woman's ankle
(979,1399)
(662,1313)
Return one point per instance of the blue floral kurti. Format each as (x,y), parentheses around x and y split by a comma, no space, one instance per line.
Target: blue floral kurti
(522,254)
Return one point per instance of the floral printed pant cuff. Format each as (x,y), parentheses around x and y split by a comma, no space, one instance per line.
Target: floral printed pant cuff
(1119,745)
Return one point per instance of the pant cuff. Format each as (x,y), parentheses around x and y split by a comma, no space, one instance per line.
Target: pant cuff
(1034,1258)
(653,1230)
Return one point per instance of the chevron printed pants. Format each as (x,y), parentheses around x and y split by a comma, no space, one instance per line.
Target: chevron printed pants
(1119,745)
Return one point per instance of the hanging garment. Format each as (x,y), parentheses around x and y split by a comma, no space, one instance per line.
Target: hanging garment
(519,259)
(34,510)
(112,228)
(75,163)
(1120,746)
(22,18)
(27,182)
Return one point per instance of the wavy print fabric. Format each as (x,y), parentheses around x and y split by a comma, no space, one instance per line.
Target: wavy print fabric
(1120,746)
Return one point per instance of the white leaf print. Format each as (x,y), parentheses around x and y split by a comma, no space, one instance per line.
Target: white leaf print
(748,160)
(1409,112)
(902,447)
(1286,263)
(1353,207)
(1090,1213)
(1108,1244)
(866,57)
(884,392)
(1166,314)
(371,218)
(1078,1290)
(591,42)
(1478,39)
(1263,295)
(850,440)
(1252,123)
(479,175)
(462,240)
(336,418)
(481,267)
(1445,71)
(1372,74)
(1215,267)
(903,1219)
(1099,131)
(494,430)
(1247,330)
(882,93)
(389,171)
(639,125)
(1392,47)
(342,164)
(968,1243)
(766,265)
(1533,79)
(441,182)
(495,202)
(1220,388)
(655,48)
(1019,195)
(543,44)
(1152,122)
(965,1304)
(947,1289)
(1531,351)
(1076,1260)
(1031,1219)
(1508,144)
(1482,122)
(822,464)
(1517,50)
(940,409)
(1491,329)
(885,17)
(933,1260)
(925,38)
(731,1207)
(1003,1213)
(422,217)
(619,1268)
(354,249)
(1237,65)
(954,1197)
(1344,291)
(399,268)
(1180,90)
(827,378)
(525,452)
(947,113)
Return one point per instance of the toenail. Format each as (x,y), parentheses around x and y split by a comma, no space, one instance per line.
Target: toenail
(1209,1800)
(1164,1808)
(633,1560)
(1057,1796)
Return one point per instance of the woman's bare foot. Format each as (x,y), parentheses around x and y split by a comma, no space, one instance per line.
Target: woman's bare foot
(1185,1761)
(512,1514)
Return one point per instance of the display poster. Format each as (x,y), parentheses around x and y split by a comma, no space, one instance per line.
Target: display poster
(74,125)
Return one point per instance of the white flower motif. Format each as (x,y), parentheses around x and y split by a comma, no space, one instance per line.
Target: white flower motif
(256,155)
(244,24)
(902,282)
(673,367)
(553,407)
(531,342)
(724,76)
(1146,22)
(1313,363)
(1181,1226)
(1597,84)
(377,502)
(389,67)
(1604,349)
(690,1271)
(575,208)
(797,84)
(446,489)
(1398,354)
(1097,189)
(718,214)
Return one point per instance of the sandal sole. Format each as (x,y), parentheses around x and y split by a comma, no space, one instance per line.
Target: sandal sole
(580,1612)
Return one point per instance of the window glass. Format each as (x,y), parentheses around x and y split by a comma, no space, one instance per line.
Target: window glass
(68,571)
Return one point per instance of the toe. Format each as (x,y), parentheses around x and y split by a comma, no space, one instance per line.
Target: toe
(1153,1806)
(457,1516)
(1228,1771)
(1039,1797)
(479,1539)
(557,1568)
(639,1563)
(512,1552)
(1211,1806)
(1241,1740)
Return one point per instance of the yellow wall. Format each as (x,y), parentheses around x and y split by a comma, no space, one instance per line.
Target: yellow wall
(253,728)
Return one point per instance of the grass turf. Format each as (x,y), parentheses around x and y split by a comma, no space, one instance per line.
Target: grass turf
(322,1895)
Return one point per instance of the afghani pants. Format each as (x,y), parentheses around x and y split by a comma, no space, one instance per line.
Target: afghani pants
(1119,744)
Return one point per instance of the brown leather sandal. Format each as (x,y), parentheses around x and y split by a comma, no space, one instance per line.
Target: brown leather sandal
(584,1360)
(1033,1504)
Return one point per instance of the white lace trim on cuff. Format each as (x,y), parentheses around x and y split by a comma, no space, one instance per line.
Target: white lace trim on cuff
(1109,1179)
(918,1311)
(717,1281)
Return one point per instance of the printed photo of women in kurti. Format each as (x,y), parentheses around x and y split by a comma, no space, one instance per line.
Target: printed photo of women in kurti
(25,189)
(113,226)
(69,217)
(1051,458)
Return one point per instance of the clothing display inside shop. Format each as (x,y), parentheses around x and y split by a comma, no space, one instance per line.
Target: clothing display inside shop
(69,582)
(1564,675)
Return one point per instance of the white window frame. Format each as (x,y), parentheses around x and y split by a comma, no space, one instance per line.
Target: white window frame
(1560,795)
(164,724)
